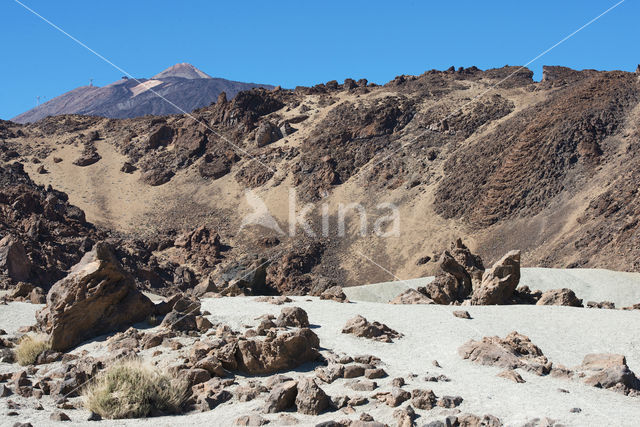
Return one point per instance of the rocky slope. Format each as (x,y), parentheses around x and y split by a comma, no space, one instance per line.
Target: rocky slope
(183,85)
(546,167)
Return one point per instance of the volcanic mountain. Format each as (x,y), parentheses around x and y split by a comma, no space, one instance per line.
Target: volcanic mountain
(183,87)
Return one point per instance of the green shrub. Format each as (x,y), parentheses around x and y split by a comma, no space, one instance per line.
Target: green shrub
(131,389)
(30,347)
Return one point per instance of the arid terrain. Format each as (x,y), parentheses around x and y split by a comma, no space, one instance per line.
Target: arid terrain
(455,248)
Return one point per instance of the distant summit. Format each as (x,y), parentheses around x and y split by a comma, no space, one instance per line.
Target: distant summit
(185,86)
(182,70)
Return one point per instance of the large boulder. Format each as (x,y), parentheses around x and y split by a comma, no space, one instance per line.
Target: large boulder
(294,317)
(609,371)
(98,296)
(513,351)
(311,399)
(500,282)
(280,353)
(562,296)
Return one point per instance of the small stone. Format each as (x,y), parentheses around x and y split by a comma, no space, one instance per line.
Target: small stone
(423,399)
(59,416)
(4,391)
(375,373)
(362,385)
(353,371)
(398,382)
(462,314)
(250,420)
(575,410)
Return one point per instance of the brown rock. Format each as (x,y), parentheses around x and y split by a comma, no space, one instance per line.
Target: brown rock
(311,399)
(285,352)
(462,314)
(404,417)
(449,401)
(411,296)
(471,420)
(609,371)
(393,398)
(375,373)
(156,177)
(353,371)
(88,157)
(38,296)
(282,397)
(512,375)
(334,293)
(423,399)
(14,260)
(361,327)
(293,317)
(514,351)
(562,296)
(128,168)
(250,420)
(362,385)
(59,416)
(22,290)
(266,134)
(196,376)
(398,382)
(330,373)
(97,297)
(452,283)
(499,283)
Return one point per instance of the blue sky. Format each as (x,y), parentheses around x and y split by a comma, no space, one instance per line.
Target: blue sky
(298,42)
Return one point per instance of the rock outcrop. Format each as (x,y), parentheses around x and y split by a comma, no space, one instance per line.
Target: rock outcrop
(97,297)
(513,351)
(412,296)
(280,353)
(499,283)
(562,296)
(609,371)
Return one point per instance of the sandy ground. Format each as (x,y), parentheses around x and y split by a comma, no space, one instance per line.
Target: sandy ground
(619,287)
(431,332)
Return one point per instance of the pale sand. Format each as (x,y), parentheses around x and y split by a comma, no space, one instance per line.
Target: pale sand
(431,332)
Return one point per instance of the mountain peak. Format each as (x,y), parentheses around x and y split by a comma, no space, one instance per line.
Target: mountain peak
(183,70)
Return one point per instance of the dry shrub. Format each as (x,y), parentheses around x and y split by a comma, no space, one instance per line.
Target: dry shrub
(132,389)
(30,347)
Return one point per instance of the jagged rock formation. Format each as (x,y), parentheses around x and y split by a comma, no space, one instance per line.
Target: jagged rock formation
(97,296)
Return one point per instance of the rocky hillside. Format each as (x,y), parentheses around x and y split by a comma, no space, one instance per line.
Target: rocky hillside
(183,85)
(546,167)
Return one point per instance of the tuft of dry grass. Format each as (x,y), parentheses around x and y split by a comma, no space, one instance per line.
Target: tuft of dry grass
(133,389)
(30,347)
